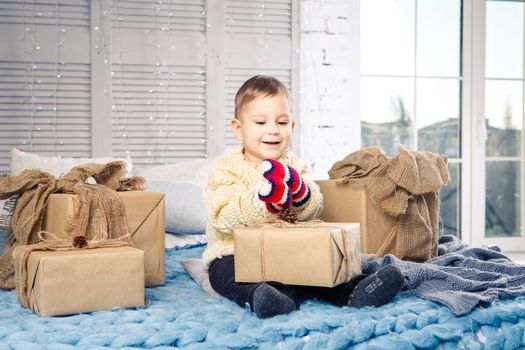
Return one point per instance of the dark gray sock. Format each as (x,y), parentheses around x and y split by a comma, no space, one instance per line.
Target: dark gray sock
(269,302)
(377,289)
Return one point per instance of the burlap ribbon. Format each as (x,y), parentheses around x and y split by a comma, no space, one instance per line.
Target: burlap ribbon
(406,188)
(53,243)
(98,211)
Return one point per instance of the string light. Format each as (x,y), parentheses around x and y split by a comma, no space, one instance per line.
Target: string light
(168,79)
(155,76)
(263,63)
(32,84)
(122,128)
(55,98)
(164,72)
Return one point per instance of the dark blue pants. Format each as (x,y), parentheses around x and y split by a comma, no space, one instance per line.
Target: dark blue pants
(222,279)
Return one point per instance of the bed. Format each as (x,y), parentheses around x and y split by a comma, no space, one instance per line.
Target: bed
(181,315)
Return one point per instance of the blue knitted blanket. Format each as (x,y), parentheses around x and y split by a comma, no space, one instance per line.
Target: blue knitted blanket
(461,277)
(180,314)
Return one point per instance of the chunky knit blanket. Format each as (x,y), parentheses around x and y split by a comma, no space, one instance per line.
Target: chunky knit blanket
(181,315)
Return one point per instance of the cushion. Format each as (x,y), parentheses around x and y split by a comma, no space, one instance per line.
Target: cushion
(195,171)
(184,241)
(57,166)
(185,212)
(196,269)
(182,183)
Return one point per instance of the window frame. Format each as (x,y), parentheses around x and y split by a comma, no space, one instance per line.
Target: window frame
(476,132)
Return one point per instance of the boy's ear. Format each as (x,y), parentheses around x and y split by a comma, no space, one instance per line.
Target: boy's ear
(236,128)
(293,124)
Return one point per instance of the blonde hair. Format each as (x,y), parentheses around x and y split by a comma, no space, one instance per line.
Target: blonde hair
(259,86)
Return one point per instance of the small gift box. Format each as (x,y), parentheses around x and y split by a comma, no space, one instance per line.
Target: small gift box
(66,282)
(311,254)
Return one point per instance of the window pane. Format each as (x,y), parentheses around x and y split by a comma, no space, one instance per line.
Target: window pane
(504,111)
(503,203)
(387,113)
(450,202)
(438,37)
(437,115)
(387,37)
(504,39)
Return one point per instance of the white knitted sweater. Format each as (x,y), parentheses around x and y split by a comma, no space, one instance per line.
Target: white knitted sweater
(231,199)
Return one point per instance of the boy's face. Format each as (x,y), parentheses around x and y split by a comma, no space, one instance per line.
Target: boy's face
(265,127)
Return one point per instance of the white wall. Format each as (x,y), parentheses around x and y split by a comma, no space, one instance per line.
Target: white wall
(329,92)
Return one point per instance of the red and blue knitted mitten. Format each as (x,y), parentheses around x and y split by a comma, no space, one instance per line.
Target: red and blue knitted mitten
(275,192)
(299,189)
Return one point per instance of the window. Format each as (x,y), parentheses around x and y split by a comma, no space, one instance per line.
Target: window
(448,77)
(411,83)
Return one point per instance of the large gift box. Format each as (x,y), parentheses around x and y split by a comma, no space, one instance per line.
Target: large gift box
(83,280)
(145,216)
(311,253)
(350,203)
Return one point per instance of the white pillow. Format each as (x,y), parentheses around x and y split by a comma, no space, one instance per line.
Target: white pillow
(57,166)
(196,269)
(183,184)
(184,241)
(185,212)
(195,171)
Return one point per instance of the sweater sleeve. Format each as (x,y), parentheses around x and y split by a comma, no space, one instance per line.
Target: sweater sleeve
(232,203)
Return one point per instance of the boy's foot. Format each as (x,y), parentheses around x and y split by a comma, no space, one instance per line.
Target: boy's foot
(377,289)
(269,302)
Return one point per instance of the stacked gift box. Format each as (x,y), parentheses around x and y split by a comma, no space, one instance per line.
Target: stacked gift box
(61,281)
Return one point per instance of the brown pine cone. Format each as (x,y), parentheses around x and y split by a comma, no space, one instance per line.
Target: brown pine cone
(79,242)
(288,215)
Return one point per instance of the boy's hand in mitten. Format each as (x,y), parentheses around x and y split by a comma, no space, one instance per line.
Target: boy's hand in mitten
(274,168)
(274,191)
(298,188)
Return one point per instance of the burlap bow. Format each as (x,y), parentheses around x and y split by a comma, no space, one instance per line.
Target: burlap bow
(405,187)
(98,211)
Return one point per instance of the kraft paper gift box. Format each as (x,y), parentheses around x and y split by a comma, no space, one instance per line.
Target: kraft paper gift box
(84,280)
(145,215)
(310,254)
(350,203)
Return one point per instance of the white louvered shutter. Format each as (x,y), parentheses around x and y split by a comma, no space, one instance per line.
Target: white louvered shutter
(258,41)
(151,79)
(159,80)
(45,99)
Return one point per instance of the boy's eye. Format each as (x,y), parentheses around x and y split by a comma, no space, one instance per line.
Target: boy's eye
(260,122)
(283,123)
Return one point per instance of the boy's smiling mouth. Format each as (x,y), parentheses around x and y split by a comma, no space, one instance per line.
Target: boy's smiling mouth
(271,142)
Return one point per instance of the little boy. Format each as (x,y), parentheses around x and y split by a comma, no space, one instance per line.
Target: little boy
(252,185)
